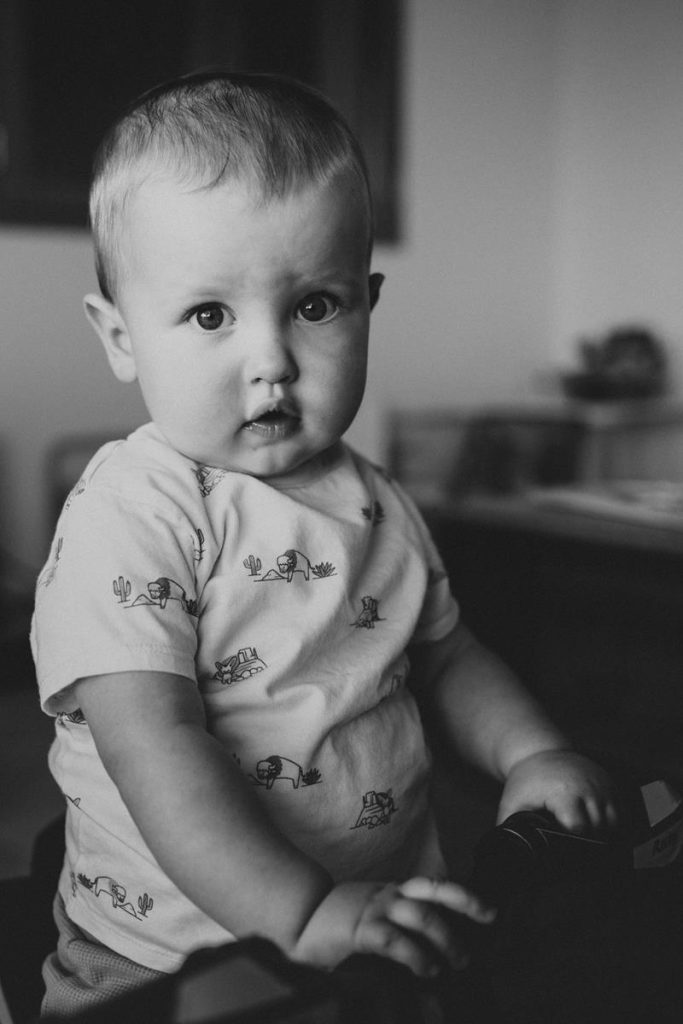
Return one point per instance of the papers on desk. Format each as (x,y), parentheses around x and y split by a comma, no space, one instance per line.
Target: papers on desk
(650,502)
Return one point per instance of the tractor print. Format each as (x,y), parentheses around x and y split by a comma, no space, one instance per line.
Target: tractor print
(377,809)
(238,666)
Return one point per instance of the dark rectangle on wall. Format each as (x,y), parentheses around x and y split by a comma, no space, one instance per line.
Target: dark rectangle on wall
(68,67)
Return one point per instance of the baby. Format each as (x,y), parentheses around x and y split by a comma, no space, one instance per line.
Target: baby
(239,613)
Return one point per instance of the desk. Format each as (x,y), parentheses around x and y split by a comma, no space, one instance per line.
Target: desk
(534,516)
(589,611)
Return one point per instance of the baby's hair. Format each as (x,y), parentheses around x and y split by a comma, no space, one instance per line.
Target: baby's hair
(267,130)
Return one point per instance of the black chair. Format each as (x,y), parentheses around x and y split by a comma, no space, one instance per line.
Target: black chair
(27,929)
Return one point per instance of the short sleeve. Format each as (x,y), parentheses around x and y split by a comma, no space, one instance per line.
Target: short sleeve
(117,595)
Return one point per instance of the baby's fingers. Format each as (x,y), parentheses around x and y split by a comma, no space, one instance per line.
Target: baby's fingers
(602,814)
(386,938)
(434,928)
(449,895)
(586,814)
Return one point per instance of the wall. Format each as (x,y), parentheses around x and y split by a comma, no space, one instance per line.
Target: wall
(53,377)
(465,311)
(618,245)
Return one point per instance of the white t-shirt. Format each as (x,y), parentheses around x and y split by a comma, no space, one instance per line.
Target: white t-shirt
(292,609)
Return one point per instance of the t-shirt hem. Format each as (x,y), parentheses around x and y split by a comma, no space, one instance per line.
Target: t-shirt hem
(125,945)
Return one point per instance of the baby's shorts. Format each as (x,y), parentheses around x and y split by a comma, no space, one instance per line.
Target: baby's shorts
(82,973)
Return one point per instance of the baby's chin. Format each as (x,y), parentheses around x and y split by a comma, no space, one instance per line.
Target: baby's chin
(286,461)
(304,470)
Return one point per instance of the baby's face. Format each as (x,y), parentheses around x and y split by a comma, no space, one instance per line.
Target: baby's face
(247,321)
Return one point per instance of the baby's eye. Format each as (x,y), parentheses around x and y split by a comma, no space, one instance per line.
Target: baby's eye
(209,318)
(317,308)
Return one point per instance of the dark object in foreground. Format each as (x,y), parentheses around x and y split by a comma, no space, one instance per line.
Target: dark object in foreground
(589,931)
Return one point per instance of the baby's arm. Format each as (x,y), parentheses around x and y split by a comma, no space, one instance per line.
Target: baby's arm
(497,725)
(212,838)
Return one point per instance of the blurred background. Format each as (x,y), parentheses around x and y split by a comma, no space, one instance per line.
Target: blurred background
(537,173)
(528,163)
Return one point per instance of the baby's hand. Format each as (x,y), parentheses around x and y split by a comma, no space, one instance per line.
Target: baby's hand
(578,792)
(420,923)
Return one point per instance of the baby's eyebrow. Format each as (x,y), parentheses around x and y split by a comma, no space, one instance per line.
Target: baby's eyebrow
(205,295)
(333,276)
(212,291)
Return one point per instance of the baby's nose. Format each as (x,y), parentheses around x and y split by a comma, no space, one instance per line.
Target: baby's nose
(272,359)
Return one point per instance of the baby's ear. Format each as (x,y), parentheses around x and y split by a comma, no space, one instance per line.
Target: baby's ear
(375,282)
(111,329)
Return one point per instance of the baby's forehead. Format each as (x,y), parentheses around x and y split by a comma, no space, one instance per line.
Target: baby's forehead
(154,193)
(196,230)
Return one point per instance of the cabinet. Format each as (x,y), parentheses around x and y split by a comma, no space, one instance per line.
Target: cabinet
(587,611)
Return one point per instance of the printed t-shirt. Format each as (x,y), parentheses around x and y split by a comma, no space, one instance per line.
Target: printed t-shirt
(292,609)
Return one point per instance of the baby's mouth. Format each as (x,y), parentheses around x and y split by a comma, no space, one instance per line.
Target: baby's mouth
(275,424)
